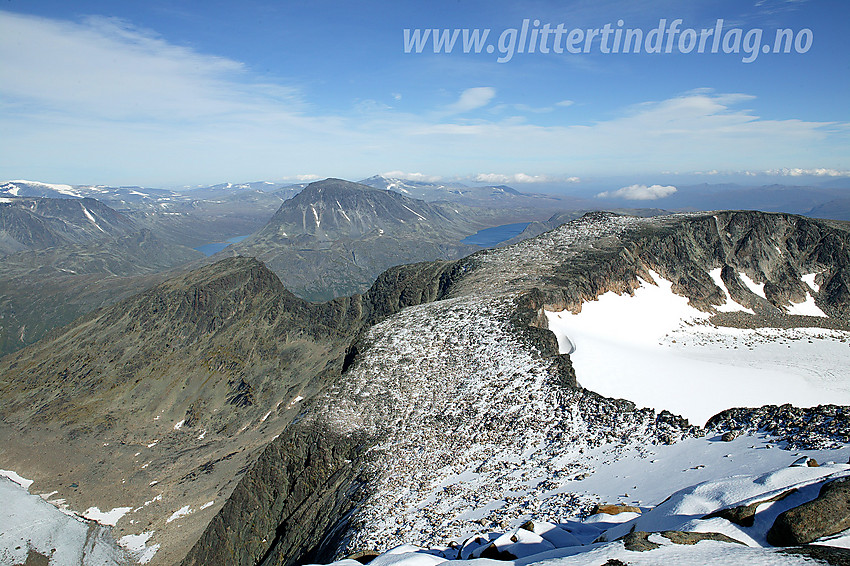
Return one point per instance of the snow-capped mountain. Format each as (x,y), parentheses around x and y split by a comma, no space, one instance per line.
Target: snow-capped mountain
(335,237)
(34,223)
(100,192)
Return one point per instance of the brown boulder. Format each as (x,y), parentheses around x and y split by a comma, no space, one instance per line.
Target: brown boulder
(826,515)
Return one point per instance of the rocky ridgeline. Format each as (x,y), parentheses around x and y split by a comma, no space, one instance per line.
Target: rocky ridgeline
(822,427)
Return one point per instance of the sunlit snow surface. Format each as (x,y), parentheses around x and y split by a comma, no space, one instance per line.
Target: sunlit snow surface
(654,349)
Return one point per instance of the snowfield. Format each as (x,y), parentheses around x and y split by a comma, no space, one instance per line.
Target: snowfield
(29,523)
(656,350)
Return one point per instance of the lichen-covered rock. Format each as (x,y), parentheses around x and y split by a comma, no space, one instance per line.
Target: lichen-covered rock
(828,514)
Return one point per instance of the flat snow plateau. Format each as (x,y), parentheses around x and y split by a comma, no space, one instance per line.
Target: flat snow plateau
(656,350)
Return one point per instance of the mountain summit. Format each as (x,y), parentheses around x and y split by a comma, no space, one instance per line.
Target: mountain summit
(335,237)
(334,208)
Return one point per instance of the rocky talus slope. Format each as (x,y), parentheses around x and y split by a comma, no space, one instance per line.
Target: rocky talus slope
(320,429)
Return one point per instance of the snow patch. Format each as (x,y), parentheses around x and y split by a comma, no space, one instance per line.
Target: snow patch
(757,288)
(182,512)
(21,481)
(730,305)
(342,211)
(656,350)
(135,543)
(414,212)
(809,279)
(179,425)
(91,218)
(806,308)
(109,518)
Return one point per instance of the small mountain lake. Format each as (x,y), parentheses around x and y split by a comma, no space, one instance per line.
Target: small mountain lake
(495,235)
(215,247)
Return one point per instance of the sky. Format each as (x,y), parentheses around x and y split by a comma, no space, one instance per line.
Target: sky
(169,94)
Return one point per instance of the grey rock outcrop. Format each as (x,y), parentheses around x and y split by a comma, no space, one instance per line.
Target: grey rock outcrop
(826,515)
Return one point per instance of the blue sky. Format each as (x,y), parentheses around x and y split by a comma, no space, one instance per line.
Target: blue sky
(170,94)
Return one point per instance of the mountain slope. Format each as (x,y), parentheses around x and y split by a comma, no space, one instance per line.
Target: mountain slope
(167,396)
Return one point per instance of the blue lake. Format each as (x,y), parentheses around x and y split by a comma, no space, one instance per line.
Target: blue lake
(495,235)
(215,247)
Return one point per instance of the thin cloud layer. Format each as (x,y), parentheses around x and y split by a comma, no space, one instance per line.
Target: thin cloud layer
(640,192)
(499,178)
(412,176)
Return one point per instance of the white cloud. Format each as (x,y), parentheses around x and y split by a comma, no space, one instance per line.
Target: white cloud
(565,103)
(412,176)
(396,96)
(640,192)
(472,99)
(498,178)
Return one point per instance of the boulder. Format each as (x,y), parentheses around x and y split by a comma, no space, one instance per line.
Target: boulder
(614,509)
(828,514)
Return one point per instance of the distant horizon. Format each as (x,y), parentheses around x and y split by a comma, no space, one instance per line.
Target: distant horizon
(542,184)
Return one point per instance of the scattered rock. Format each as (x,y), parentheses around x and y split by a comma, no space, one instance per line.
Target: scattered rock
(638,541)
(812,463)
(493,552)
(821,427)
(828,514)
(364,556)
(680,537)
(614,509)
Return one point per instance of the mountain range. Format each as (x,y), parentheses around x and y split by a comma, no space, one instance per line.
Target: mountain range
(225,420)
